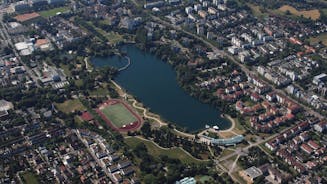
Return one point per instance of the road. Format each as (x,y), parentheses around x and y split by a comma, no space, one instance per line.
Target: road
(94,156)
(7,39)
(246,149)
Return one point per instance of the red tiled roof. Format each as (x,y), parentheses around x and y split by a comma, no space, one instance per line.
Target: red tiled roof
(313,144)
(40,42)
(255,95)
(306,148)
(289,116)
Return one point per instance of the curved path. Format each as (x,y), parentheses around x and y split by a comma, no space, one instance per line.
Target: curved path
(145,111)
(134,104)
(127,65)
(230,129)
(161,123)
(174,147)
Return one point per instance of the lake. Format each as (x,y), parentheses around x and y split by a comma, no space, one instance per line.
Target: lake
(153,82)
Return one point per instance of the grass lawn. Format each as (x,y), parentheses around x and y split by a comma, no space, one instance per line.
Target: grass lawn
(29,178)
(256,11)
(99,92)
(226,152)
(70,106)
(52,12)
(324,10)
(204,179)
(313,14)
(226,135)
(321,37)
(112,37)
(79,82)
(118,115)
(154,150)
(78,120)
(66,70)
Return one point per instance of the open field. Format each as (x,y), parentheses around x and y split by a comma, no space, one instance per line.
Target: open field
(204,178)
(101,91)
(321,37)
(66,70)
(29,178)
(70,106)
(256,10)
(154,150)
(313,14)
(236,129)
(324,10)
(118,115)
(79,83)
(112,37)
(52,12)
(226,152)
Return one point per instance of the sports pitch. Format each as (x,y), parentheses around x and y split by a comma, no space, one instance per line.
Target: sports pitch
(118,115)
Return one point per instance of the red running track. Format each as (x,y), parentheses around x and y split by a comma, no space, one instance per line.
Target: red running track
(128,127)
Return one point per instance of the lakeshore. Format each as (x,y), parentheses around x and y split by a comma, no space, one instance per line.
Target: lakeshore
(146,114)
(153,82)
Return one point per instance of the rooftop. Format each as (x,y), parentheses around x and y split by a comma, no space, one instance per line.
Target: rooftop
(253,172)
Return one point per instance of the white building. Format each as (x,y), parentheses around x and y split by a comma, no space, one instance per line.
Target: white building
(319,79)
(188,10)
(5,105)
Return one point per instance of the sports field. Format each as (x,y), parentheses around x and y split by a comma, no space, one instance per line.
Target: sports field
(119,116)
(53,12)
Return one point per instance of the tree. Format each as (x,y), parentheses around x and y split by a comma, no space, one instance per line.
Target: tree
(146,130)
(149,179)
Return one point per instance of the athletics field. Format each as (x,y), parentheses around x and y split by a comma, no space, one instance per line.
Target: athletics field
(119,115)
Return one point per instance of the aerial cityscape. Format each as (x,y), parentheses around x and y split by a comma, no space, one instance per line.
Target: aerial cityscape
(163,91)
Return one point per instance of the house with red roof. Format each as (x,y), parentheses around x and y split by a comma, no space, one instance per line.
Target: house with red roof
(289,117)
(239,105)
(320,127)
(320,151)
(271,145)
(295,41)
(311,164)
(313,145)
(255,97)
(306,148)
